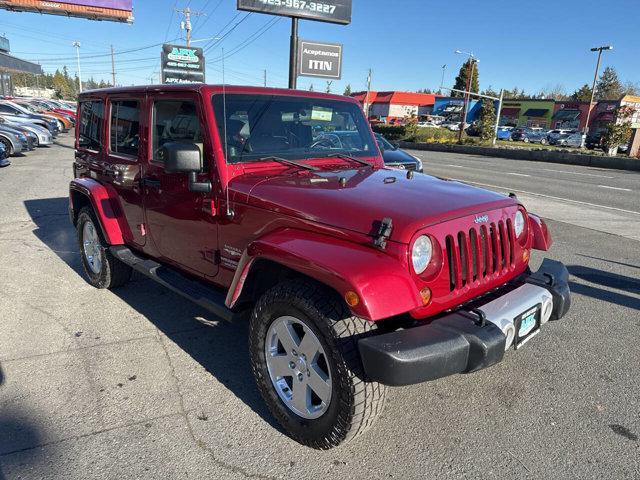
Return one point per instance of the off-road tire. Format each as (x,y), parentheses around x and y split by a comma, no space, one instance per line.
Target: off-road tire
(355,401)
(113,273)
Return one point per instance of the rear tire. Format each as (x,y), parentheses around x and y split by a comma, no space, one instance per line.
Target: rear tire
(101,268)
(319,315)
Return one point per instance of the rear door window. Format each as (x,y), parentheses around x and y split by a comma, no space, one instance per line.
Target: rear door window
(125,127)
(90,125)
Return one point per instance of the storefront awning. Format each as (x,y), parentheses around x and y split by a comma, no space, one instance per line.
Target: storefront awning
(566,115)
(536,112)
(510,112)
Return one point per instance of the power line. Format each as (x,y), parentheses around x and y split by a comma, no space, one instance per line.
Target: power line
(252,38)
(213,43)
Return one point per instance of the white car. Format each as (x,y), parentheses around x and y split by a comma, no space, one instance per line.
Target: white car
(427,125)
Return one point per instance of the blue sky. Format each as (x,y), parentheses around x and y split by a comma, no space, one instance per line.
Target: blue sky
(530,45)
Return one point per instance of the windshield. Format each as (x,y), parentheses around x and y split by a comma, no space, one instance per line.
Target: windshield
(259,126)
(19,107)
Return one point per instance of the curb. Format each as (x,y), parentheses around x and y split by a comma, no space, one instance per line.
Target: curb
(550,156)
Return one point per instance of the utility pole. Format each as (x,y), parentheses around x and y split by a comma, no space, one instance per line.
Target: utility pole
(366,99)
(444,69)
(77,45)
(593,89)
(186,25)
(265,77)
(472,63)
(113,67)
(495,132)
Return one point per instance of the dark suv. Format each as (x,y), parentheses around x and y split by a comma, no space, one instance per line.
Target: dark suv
(354,276)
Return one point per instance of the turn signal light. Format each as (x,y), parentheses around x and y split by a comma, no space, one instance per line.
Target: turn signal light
(525,256)
(352,298)
(425,294)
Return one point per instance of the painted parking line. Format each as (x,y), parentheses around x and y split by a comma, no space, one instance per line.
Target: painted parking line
(615,188)
(508,189)
(454,166)
(517,174)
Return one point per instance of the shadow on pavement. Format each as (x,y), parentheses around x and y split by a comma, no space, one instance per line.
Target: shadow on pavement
(610,281)
(51,218)
(221,348)
(610,261)
(17,434)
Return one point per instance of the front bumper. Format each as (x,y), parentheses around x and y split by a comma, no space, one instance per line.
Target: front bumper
(469,339)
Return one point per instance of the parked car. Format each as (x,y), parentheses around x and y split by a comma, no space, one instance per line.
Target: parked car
(529,135)
(394,157)
(504,133)
(64,121)
(16,113)
(595,140)
(427,125)
(4,160)
(320,244)
(567,140)
(14,141)
(551,134)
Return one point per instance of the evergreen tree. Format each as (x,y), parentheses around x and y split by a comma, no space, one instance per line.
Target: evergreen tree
(489,91)
(487,119)
(583,94)
(311,88)
(347,90)
(463,78)
(609,86)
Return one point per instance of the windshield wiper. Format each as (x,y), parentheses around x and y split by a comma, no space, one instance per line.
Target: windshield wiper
(349,157)
(290,162)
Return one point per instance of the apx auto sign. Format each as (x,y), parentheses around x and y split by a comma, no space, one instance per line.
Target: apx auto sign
(182,64)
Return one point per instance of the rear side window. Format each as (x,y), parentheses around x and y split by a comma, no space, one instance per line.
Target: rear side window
(125,127)
(90,128)
(174,121)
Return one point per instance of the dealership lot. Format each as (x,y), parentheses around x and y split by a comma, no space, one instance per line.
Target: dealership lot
(139,383)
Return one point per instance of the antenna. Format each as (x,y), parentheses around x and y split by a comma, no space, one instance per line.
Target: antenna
(230,212)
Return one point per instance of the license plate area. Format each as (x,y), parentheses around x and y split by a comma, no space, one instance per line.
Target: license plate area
(527,325)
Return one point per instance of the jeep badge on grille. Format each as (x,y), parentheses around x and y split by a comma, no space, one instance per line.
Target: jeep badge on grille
(481,219)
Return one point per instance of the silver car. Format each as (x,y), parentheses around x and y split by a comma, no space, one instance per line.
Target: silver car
(567,140)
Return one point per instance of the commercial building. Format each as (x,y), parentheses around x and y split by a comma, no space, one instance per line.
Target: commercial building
(394,105)
(571,115)
(527,113)
(451,109)
(10,64)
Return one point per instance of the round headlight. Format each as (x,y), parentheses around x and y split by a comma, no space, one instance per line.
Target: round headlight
(421,254)
(518,223)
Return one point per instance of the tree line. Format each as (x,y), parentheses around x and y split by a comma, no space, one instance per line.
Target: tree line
(64,85)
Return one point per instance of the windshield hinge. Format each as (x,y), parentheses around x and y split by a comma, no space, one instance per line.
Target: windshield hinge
(384,232)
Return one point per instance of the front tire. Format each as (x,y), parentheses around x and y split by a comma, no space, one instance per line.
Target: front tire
(305,359)
(101,268)
(7,146)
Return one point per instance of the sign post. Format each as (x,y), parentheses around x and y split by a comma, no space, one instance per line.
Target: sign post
(181,64)
(331,11)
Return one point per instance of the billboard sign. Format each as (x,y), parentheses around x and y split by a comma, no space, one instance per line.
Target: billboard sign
(332,11)
(111,10)
(319,59)
(181,64)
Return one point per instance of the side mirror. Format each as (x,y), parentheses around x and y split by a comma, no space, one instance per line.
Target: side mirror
(395,144)
(185,158)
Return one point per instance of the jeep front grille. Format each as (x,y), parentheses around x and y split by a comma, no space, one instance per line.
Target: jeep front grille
(480,253)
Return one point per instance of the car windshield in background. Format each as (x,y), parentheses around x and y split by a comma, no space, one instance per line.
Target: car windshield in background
(261,126)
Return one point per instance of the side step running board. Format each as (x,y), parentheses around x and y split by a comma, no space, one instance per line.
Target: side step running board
(207,298)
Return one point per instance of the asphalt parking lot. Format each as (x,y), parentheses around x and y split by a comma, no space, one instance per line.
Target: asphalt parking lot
(138,383)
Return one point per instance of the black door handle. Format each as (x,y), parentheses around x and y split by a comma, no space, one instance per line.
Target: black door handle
(151,182)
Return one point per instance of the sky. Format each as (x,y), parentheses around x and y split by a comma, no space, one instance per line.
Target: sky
(529,45)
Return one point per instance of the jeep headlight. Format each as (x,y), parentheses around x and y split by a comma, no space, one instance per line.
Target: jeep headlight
(421,254)
(518,223)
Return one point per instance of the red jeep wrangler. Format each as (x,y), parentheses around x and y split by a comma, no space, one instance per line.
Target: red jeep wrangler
(356,276)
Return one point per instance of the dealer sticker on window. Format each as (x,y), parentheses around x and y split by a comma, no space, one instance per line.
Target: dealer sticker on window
(321,114)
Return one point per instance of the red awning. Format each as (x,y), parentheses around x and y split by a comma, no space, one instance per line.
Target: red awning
(510,112)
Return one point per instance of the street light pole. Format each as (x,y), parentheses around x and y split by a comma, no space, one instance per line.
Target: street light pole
(77,45)
(593,89)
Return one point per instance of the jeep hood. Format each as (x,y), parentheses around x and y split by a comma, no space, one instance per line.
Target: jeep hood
(365,196)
